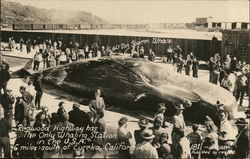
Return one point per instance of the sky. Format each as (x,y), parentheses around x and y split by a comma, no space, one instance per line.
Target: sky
(153,11)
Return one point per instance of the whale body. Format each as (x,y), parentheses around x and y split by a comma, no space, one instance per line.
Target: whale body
(134,83)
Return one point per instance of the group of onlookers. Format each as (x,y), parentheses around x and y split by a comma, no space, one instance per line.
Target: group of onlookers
(220,72)
(139,52)
(190,64)
(52,55)
(156,141)
(25,117)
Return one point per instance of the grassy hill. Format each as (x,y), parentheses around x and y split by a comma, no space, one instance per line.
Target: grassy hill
(16,13)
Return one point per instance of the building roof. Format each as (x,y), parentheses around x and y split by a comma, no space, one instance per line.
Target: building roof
(160,33)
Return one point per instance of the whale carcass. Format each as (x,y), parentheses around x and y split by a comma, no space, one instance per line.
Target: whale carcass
(140,84)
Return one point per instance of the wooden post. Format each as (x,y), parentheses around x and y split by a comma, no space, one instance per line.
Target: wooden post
(1,58)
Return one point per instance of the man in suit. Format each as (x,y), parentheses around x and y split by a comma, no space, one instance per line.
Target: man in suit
(179,125)
(78,117)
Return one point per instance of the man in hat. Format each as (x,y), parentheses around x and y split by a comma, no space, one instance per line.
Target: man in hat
(145,149)
(219,106)
(143,124)
(7,103)
(178,125)
(242,139)
(78,117)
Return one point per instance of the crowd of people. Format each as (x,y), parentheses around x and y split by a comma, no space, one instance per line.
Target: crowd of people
(220,70)
(156,141)
(55,53)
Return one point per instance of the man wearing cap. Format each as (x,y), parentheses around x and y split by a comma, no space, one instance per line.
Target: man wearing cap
(242,139)
(7,103)
(145,149)
(143,124)
(179,124)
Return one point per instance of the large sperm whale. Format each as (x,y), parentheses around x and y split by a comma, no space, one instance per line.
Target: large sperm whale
(134,83)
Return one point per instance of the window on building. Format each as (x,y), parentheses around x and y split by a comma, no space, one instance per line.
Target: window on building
(234,25)
(244,26)
(213,25)
(242,53)
(229,50)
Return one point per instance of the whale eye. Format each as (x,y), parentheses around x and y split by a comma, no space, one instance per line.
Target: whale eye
(136,64)
(132,64)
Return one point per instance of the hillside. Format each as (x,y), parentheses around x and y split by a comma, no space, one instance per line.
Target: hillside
(16,13)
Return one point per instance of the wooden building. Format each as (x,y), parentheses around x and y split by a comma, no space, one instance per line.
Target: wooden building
(202,46)
(236,43)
